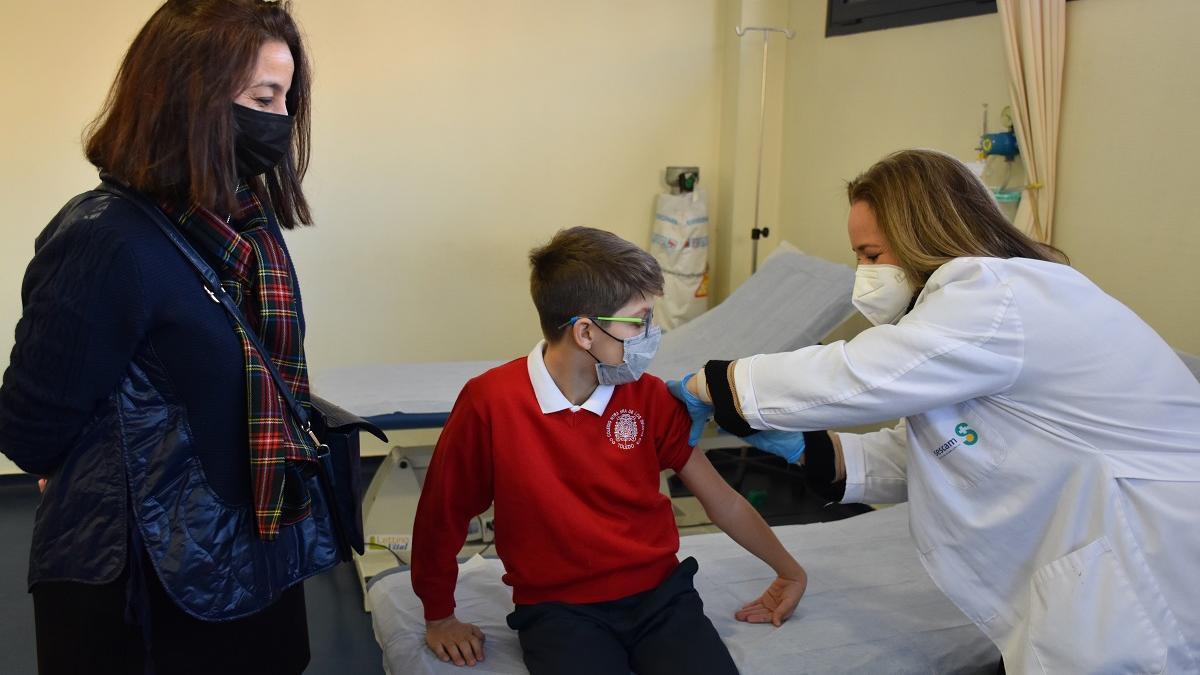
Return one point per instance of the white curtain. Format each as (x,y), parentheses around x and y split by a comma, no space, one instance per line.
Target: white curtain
(1035,34)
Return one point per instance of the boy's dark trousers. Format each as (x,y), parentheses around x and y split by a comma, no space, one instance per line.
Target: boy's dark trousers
(662,630)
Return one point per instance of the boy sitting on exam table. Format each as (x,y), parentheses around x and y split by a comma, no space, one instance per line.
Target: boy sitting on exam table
(568,442)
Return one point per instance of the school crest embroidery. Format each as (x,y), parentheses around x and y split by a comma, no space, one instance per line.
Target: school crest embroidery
(625,428)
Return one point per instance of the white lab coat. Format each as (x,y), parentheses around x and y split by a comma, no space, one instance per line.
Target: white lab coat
(1050,453)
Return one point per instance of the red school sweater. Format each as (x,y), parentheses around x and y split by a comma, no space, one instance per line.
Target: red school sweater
(578,514)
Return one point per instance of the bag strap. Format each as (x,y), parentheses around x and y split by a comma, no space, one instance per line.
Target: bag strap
(212,285)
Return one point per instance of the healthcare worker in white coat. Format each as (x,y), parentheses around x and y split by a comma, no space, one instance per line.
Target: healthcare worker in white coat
(1049,443)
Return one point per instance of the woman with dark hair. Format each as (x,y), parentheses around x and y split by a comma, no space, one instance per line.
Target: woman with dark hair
(181,511)
(1049,447)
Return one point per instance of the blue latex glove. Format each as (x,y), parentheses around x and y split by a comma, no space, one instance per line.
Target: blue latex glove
(786,444)
(699,410)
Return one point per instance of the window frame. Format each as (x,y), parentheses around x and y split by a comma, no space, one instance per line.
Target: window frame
(849,17)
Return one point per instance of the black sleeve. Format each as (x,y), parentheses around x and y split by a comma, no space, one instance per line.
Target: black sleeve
(820,466)
(83,317)
(725,411)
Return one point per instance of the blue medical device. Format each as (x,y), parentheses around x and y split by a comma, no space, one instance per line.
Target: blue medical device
(1002,143)
(998,143)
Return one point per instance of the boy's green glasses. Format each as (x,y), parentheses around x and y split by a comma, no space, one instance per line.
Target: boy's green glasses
(645,322)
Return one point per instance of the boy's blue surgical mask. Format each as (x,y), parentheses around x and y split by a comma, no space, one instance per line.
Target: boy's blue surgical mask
(639,351)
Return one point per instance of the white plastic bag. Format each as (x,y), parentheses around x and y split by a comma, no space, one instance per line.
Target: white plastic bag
(680,244)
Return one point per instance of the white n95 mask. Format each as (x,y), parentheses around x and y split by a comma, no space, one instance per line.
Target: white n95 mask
(881,293)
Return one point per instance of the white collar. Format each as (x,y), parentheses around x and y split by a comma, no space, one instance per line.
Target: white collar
(550,398)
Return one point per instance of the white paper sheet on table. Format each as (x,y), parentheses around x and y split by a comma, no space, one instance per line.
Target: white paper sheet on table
(386,388)
(870,608)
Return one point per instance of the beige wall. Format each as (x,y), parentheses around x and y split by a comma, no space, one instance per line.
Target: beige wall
(453,136)
(450,137)
(1127,210)
(852,99)
(1126,213)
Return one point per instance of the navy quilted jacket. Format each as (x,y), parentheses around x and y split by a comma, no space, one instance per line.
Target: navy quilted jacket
(126,388)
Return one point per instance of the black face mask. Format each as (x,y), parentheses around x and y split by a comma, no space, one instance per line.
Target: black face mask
(261,139)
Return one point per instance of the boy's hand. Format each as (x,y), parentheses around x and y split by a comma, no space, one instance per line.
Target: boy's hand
(777,603)
(699,410)
(453,640)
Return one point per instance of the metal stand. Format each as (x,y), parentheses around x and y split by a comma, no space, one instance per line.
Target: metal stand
(758,232)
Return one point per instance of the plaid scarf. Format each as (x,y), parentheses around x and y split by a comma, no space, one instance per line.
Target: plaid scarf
(254,270)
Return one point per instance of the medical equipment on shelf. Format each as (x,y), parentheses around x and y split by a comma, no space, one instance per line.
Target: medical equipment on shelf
(679,242)
(759,232)
(795,300)
(870,607)
(1000,170)
(1000,143)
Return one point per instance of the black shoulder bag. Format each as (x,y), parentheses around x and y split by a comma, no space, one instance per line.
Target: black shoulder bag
(334,430)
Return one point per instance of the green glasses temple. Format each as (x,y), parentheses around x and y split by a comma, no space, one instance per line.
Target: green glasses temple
(636,320)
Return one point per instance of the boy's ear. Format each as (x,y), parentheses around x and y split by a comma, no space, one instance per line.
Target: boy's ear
(581,333)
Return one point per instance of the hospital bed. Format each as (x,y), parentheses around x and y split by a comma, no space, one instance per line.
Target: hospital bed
(794,300)
(870,607)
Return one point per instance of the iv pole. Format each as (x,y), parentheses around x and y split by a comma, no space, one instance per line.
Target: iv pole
(757,232)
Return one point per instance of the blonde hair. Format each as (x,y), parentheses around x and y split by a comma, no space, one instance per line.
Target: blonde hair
(932,209)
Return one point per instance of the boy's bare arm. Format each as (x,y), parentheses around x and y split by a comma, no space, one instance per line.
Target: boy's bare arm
(733,514)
